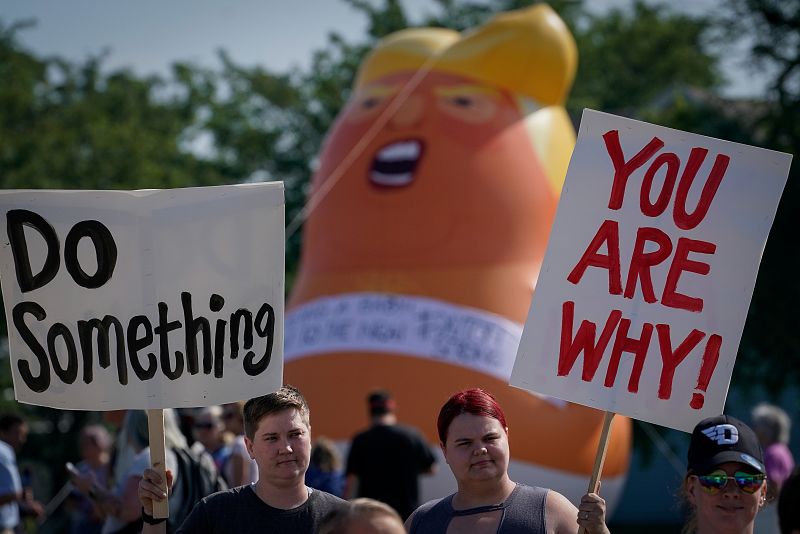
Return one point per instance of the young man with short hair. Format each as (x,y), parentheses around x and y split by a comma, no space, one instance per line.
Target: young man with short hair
(278,438)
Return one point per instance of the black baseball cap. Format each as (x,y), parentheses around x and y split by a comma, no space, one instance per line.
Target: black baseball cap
(721,439)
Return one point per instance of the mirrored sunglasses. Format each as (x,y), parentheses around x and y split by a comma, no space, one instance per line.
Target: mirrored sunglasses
(716,481)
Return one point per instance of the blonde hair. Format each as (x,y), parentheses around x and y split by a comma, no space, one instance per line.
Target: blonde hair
(772,419)
(338,521)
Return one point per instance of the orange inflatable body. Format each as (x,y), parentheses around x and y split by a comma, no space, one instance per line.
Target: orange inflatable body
(428,221)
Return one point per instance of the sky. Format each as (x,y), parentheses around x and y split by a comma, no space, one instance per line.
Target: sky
(149,35)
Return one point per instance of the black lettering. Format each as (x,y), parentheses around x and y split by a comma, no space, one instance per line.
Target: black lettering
(16,220)
(69,374)
(216,302)
(85,329)
(236,318)
(135,344)
(162,331)
(267,331)
(105,249)
(35,383)
(219,347)
(191,327)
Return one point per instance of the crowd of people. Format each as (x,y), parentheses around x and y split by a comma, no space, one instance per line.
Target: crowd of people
(261,474)
(475,445)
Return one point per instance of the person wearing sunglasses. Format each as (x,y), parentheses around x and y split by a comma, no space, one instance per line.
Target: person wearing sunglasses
(210,436)
(725,483)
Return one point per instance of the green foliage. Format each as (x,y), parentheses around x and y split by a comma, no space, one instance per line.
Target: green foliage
(770,352)
(630,58)
(70,126)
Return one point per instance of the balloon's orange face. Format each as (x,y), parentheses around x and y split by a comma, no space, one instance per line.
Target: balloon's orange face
(450,180)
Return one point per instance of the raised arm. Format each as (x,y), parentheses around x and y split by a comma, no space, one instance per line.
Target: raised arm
(564,518)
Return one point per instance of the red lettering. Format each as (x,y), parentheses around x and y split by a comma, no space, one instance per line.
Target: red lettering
(655,209)
(642,261)
(623,169)
(684,220)
(710,357)
(637,347)
(670,360)
(681,263)
(583,341)
(608,233)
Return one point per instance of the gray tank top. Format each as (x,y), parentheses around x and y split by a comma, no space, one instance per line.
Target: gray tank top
(522,513)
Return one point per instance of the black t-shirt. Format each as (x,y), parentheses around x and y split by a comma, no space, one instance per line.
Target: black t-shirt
(241,511)
(387,460)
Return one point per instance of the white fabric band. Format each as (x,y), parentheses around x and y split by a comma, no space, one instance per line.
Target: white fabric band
(428,328)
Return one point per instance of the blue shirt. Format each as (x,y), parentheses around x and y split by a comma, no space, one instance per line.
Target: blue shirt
(9,483)
(329,481)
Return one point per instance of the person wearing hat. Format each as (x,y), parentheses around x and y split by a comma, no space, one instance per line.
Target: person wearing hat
(725,482)
(384,462)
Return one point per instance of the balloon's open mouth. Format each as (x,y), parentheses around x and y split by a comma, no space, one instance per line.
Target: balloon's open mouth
(395,163)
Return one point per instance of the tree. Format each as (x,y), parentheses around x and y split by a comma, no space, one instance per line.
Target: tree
(71,126)
(770,353)
(629,59)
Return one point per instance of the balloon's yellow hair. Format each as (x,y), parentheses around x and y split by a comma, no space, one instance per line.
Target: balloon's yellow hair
(529,52)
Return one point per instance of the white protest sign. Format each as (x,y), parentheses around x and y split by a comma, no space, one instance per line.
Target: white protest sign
(643,293)
(144,299)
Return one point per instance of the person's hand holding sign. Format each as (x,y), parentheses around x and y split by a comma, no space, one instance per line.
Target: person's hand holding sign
(592,514)
(150,489)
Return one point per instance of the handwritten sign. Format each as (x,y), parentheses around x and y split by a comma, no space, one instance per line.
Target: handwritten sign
(144,299)
(649,272)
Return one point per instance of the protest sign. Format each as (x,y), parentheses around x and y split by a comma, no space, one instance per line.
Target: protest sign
(643,293)
(144,299)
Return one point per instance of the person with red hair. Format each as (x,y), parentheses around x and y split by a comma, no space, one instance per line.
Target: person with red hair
(473,436)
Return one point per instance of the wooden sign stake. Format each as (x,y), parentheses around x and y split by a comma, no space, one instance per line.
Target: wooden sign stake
(158,456)
(600,459)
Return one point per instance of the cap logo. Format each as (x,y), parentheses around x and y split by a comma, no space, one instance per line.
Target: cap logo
(723,434)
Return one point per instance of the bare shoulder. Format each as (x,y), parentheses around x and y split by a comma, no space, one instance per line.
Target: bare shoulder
(561,514)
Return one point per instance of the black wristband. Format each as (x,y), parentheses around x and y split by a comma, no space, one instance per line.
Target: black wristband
(149,519)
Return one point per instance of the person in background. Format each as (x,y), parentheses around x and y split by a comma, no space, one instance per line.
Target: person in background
(240,469)
(772,426)
(13,434)
(278,437)
(725,483)
(363,516)
(325,470)
(384,462)
(210,436)
(473,435)
(120,503)
(789,504)
(122,454)
(94,469)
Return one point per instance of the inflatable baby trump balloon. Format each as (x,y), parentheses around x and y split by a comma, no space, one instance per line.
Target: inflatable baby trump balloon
(428,221)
